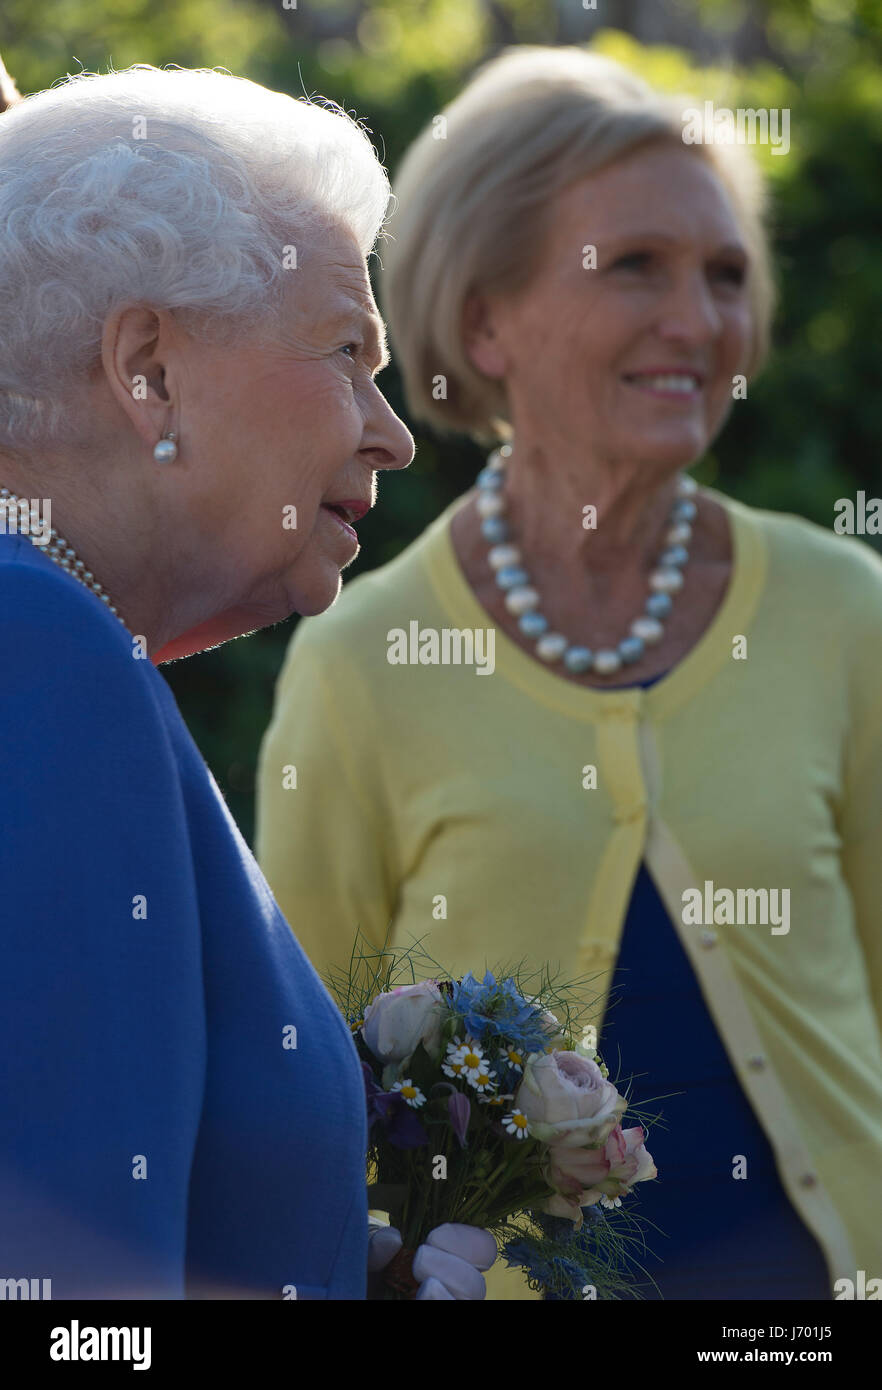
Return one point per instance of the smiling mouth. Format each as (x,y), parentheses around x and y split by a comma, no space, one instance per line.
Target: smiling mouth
(675,385)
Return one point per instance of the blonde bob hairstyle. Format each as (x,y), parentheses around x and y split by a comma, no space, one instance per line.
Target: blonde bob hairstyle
(473,197)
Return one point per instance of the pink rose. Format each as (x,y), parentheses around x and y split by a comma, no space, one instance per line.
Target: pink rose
(582,1176)
(567,1100)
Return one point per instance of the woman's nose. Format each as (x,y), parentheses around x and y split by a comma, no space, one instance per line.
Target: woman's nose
(690,310)
(386,438)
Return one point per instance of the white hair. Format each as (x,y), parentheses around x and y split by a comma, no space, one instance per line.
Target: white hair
(175,188)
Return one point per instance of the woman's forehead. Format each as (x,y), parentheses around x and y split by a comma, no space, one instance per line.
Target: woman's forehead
(664,192)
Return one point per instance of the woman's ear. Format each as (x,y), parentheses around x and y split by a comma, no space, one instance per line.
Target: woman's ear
(135,348)
(480,337)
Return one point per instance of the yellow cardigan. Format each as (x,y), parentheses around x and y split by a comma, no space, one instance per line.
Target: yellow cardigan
(423,789)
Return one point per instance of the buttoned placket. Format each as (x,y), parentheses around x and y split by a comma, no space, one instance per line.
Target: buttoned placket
(741,1038)
(628,770)
(621,778)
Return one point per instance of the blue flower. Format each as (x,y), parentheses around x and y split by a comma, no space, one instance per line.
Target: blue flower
(495,1009)
(553,1271)
(556,1260)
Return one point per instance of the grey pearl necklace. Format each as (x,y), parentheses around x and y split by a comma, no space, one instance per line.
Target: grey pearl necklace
(522,600)
(61,552)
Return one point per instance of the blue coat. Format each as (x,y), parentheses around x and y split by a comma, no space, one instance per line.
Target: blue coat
(161,1135)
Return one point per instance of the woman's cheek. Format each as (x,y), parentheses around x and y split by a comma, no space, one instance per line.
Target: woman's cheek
(720,402)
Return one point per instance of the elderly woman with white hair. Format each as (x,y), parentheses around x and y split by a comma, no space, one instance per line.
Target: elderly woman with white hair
(653,751)
(189,426)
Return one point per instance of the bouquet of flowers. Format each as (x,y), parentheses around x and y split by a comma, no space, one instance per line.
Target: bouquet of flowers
(490,1106)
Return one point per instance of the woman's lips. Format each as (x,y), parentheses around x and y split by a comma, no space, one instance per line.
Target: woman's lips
(670,386)
(344,525)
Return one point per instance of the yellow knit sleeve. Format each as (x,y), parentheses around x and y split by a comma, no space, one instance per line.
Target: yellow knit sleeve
(860,615)
(862,852)
(322,839)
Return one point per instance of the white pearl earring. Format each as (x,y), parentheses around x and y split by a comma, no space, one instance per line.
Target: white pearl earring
(166,450)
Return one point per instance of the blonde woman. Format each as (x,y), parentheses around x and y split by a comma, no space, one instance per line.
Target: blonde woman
(661,756)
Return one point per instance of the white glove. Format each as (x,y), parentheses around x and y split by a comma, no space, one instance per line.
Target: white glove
(447,1265)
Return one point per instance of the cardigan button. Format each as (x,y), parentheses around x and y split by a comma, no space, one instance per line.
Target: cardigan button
(757,1063)
(808,1180)
(594,955)
(708,938)
(619,709)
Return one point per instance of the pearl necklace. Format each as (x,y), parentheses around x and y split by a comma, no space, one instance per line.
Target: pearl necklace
(62,553)
(522,599)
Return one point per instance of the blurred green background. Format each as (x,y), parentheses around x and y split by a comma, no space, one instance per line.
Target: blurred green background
(808,432)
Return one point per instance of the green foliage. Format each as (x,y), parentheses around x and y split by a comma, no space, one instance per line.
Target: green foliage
(806,435)
(42,43)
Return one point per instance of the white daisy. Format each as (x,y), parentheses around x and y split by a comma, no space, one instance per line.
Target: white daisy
(412,1094)
(516,1124)
(469,1058)
(515,1059)
(483,1081)
(452,1067)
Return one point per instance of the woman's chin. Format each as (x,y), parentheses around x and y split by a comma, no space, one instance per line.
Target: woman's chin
(312,608)
(674,451)
(314,597)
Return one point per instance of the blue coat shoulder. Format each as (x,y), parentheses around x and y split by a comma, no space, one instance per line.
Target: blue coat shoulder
(181,1107)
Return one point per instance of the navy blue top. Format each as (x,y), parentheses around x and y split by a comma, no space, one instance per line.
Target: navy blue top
(719,1237)
(181,1105)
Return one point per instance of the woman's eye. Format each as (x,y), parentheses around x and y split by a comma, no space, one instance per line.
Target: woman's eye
(637,258)
(734,274)
(353,348)
(731,272)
